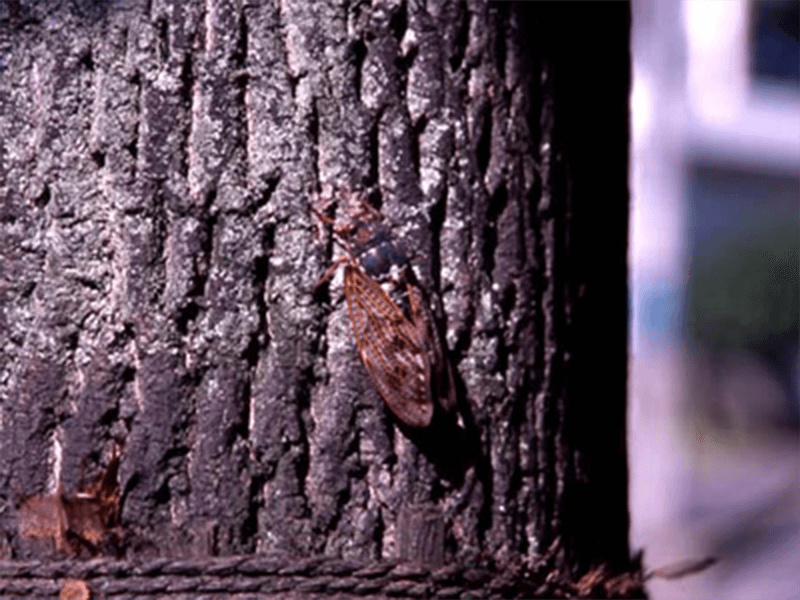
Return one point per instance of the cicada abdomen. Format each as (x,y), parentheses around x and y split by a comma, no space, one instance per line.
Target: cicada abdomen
(396,334)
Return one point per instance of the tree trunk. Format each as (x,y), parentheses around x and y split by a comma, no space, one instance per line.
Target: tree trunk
(159,162)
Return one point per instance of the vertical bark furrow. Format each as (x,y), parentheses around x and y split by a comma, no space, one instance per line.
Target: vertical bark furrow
(160,245)
(281,163)
(219,499)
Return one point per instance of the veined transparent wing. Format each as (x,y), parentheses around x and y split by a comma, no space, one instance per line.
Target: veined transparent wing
(392,348)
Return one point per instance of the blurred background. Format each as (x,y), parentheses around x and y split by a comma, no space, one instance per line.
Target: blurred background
(714,415)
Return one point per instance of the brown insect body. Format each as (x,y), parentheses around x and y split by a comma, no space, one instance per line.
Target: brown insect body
(396,334)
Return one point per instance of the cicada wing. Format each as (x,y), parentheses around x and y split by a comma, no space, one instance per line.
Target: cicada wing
(390,349)
(442,382)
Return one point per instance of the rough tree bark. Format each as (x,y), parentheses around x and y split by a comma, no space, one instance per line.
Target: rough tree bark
(158,259)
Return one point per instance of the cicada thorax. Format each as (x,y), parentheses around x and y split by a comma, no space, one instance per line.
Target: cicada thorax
(385,261)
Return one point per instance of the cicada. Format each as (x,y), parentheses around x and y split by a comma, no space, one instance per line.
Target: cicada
(396,334)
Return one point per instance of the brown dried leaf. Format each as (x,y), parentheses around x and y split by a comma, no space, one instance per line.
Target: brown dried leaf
(75,589)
